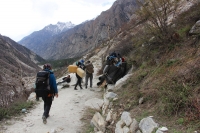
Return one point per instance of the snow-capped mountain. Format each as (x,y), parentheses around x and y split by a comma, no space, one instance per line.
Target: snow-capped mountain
(34,40)
(59,27)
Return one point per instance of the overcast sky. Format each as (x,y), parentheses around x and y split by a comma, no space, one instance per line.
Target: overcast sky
(19,18)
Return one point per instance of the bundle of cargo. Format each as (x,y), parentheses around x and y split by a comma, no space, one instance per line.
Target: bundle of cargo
(72,68)
(80,72)
(75,69)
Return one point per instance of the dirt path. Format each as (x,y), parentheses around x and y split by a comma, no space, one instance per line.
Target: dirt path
(65,113)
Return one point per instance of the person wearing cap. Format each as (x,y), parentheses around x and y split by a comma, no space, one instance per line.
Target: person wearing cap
(81,65)
(48,100)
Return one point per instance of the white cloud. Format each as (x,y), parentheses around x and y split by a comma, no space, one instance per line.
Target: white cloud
(19,18)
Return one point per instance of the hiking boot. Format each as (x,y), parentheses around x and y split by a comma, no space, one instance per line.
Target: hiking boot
(81,88)
(86,87)
(44,119)
(75,89)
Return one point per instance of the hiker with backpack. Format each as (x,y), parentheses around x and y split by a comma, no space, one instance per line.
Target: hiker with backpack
(46,88)
(36,97)
(79,79)
(89,68)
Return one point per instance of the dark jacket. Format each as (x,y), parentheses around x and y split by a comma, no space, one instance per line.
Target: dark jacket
(89,68)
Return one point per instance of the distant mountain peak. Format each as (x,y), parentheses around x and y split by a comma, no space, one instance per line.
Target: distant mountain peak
(38,37)
(59,27)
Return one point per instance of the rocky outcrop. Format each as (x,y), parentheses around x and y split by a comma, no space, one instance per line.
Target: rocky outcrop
(195,30)
(108,120)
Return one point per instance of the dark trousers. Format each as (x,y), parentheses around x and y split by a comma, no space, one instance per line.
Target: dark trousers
(79,79)
(47,105)
(88,76)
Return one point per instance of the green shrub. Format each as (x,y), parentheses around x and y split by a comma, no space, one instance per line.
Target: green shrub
(174,97)
(3,113)
(171,62)
(184,31)
(142,75)
(180,121)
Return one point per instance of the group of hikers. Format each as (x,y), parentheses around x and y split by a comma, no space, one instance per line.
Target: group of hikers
(115,68)
(115,59)
(89,70)
(46,86)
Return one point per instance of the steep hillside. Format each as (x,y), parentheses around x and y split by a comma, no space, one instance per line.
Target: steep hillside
(16,62)
(88,35)
(165,76)
(25,51)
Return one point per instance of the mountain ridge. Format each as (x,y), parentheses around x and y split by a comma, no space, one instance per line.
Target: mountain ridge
(85,36)
(35,39)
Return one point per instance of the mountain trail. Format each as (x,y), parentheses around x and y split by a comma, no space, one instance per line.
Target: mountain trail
(66,111)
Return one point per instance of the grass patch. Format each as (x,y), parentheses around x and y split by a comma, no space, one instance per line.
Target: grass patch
(183,32)
(142,75)
(15,109)
(171,62)
(180,121)
(142,115)
(174,97)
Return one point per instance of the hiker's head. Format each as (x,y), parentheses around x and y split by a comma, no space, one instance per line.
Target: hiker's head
(47,66)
